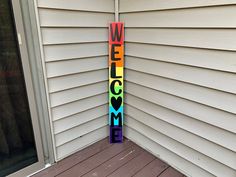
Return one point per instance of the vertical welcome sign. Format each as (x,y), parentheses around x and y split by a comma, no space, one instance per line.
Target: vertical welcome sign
(116,70)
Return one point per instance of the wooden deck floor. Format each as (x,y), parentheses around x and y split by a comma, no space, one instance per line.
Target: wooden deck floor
(106,160)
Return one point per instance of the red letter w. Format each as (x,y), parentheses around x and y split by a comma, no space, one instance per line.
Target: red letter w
(116,33)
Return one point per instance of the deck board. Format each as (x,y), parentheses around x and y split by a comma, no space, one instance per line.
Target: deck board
(96,160)
(76,158)
(103,159)
(134,165)
(153,169)
(171,172)
(115,162)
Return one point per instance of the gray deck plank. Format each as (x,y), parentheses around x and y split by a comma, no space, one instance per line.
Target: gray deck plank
(153,169)
(115,162)
(96,160)
(134,165)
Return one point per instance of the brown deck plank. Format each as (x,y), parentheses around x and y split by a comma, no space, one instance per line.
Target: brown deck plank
(115,162)
(134,165)
(171,172)
(96,160)
(103,159)
(153,169)
(76,158)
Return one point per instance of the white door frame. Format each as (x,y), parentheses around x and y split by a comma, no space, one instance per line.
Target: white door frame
(30,93)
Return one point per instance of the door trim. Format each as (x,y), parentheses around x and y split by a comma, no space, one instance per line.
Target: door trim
(36,65)
(30,93)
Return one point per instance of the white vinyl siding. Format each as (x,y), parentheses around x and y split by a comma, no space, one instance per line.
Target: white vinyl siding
(181,82)
(74,44)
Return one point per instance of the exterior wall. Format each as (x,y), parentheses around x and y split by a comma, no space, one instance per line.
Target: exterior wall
(180,82)
(74,47)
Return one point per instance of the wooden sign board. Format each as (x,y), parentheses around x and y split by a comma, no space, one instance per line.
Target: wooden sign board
(116,81)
